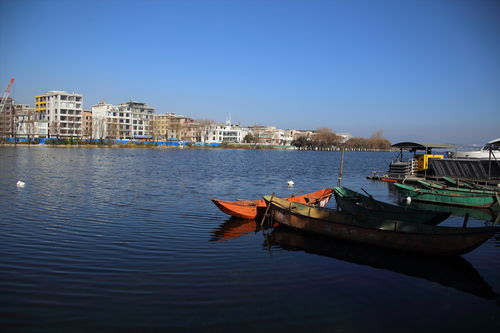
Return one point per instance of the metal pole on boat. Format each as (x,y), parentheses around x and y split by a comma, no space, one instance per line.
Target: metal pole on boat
(489,163)
(267,209)
(466,219)
(341,166)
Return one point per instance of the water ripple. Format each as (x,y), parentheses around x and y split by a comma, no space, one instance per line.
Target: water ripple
(117,239)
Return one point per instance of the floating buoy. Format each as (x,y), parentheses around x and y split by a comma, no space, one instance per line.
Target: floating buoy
(20,183)
(408,200)
(291,183)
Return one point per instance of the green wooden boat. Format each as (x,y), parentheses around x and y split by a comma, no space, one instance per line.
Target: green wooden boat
(457,183)
(484,214)
(478,200)
(441,187)
(366,207)
(464,184)
(400,235)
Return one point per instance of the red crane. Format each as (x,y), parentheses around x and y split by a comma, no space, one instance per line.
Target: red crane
(5,95)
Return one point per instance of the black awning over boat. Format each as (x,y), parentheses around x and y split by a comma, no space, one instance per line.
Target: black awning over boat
(426,146)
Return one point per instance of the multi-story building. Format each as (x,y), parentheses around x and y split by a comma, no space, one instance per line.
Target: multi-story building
(286,137)
(7,127)
(222,133)
(87,124)
(22,121)
(174,127)
(64,113)
(25,121)
(266,134)
(129,120)
(141,116)
(105,122)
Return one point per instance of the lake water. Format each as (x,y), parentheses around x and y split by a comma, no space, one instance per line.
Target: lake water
(127,239)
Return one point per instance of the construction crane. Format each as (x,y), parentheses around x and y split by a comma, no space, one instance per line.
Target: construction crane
(5,95)
(3,102)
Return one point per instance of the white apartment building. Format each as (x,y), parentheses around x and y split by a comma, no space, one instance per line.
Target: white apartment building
(141,116)
(345,137)
(286,137)
(64,113)
(219,133)
(130,120)
(29,123)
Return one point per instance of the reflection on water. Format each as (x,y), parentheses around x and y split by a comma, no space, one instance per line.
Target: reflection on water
(454,272)
(234,227)
(486,215)
(127,239)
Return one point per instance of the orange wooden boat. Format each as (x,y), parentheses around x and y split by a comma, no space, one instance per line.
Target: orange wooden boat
(254,209)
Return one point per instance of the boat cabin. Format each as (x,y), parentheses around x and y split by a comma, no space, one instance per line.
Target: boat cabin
(402,168)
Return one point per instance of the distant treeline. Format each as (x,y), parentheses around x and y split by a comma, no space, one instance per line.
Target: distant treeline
(326,139)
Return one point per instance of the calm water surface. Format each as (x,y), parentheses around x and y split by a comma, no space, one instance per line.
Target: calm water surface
(126,239)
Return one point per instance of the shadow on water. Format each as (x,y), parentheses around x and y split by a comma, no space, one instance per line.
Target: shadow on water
(454,272)
(485,214)
(235,227)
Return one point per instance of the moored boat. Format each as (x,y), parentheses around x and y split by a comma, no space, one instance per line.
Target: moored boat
(489,150)
(466,199)
(401,235)
(445,188)
(469,185)
(368,208)
(252,209)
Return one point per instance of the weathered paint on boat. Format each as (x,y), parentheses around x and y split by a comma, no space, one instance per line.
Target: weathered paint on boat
(477,200)
(469,185)
(366,207)
(406,236)
(252,209)
(445,188)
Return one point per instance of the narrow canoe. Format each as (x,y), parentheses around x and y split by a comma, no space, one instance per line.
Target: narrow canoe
(441,187)
(465,199)
(469,185)
(457,183)
(483,214)
(254,209)
(366,207)
(400,235)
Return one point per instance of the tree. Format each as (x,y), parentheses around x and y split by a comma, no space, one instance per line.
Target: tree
(250,138)
(325,138)
(54,129)
(99,128)
(377,141)
(301,142)
(201,127)
(154,129)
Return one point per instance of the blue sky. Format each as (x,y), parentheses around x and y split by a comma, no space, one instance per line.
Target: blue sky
(425,70)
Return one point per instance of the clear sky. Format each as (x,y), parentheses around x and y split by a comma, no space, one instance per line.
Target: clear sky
(425,70)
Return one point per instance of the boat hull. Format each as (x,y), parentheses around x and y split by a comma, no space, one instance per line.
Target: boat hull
(448,197)
(255,209)
(405,236)
(368,208)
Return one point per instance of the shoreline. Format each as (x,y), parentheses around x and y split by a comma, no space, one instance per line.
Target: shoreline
(153,146)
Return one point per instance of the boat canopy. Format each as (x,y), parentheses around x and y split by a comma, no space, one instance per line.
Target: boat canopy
(426,146)
(494,141)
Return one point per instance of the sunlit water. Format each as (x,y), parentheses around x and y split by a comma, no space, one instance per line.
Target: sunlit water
(127,239)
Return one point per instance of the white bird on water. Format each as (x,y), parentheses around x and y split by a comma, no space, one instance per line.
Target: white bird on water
(291,183)
(20,183)
(408,200)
